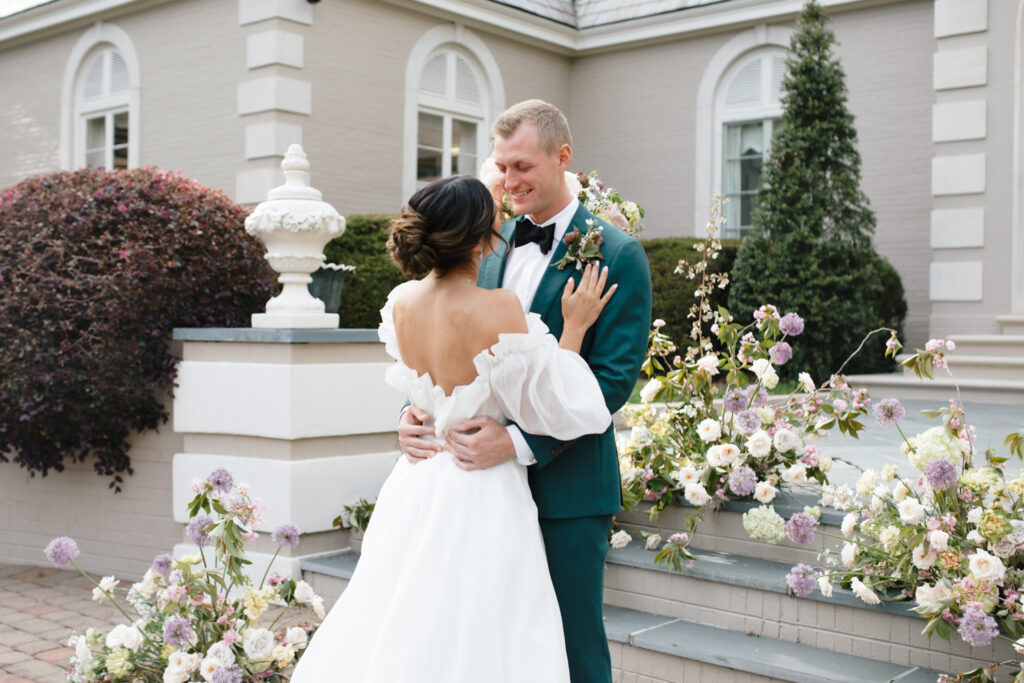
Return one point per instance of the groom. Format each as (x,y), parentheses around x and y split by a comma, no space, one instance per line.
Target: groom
(575,483)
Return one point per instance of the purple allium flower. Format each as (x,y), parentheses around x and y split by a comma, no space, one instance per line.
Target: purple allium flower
(226,674)
(286,535)
(742,480)
(780,353)
(941,474)
(178,632)
(221,480)
(162,564)
(889,412)
(800,528)
(196,530)
(976,627)
(791,324)
(61,551)
(748,421)
(762,394)
(801,579)
(735,400)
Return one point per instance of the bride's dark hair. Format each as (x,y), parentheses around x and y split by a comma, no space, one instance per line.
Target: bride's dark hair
(441,225)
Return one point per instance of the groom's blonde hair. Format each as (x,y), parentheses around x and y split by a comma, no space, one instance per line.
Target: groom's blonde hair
(552,126)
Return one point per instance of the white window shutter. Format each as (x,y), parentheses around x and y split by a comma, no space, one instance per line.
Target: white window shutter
(93,87)
(118,73)
(778,71)
(746,85)
(435,75)
(466,87)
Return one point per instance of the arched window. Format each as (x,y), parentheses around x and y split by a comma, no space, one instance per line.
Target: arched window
(101,111)
(747,109)
(454,91)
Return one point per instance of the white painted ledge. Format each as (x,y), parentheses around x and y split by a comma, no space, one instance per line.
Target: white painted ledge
(252,11)
(958,174)
(962,68)
(955,281)
(958,228)
(952,121)
(957,17)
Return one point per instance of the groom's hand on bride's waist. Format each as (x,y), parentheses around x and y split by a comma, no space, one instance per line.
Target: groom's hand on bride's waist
(411,431)
(479,443)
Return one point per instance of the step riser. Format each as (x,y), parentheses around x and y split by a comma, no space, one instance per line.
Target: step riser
(637,665)
(825,625)
(939,392)
(1008,372)
(1011,324)
(1003,348)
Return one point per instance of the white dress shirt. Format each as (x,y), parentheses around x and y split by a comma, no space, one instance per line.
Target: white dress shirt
(524,269)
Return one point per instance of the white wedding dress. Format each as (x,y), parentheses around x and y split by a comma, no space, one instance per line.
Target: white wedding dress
(452,585)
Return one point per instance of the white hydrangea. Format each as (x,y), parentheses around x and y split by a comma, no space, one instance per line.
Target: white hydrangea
(764,524)
(934,443)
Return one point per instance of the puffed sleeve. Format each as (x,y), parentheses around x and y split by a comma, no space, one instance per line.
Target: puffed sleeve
(543,388)
(386,329)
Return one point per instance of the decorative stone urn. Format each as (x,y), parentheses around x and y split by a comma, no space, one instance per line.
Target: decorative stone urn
(295,224)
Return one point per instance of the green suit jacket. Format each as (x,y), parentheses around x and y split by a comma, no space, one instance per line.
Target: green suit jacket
(580,478)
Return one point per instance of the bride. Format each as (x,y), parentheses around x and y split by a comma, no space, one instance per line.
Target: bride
(452,585)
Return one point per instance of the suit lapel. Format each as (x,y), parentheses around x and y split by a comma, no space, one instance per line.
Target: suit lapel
(553,280)
(492,270)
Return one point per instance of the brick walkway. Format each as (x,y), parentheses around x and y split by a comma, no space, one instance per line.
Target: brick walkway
(39,609)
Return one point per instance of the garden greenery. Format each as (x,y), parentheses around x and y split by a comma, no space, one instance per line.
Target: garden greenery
(96,268)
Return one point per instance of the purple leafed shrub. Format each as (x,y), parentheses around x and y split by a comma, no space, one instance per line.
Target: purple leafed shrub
(96,268)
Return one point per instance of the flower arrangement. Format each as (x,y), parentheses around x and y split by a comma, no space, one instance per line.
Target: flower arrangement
(951,538)
(356,516)
(198,617)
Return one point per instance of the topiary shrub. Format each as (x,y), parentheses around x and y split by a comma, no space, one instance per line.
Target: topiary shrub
(96,268)
(364,246)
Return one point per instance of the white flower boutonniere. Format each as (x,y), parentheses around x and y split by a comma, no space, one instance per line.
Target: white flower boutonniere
(583,247)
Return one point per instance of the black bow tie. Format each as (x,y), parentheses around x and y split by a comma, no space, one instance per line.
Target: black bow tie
(527,231)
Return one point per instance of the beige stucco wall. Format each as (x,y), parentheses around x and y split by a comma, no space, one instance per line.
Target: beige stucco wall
(117,533)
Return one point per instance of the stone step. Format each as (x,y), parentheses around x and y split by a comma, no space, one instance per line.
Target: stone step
(1011,324)
(981,367)
(941,389)
(990,345)
(749,595)
(654,649)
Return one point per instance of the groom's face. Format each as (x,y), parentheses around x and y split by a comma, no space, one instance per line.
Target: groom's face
(533,177)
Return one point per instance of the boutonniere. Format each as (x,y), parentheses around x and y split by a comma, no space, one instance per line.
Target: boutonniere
(583,247)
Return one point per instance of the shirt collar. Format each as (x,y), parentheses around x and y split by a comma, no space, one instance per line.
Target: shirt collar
(562,219)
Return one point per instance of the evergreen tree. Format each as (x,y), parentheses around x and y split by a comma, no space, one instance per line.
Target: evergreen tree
(810,248)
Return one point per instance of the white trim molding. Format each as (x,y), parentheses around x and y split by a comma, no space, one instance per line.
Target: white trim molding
(469,45)
(99,35)
(957,17)
(707,93)
(1017,239)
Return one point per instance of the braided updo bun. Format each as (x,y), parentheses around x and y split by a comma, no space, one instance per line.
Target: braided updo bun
(441,225)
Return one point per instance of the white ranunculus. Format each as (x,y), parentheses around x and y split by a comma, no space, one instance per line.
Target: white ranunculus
(876,504)
(889,472)
(296,635)
(942,592)
(849,524)
(764,492)
(124,635)
(888,536)
(223,653)
(696,495)
(258,643)
(922,559)
(709,430)
(786,440)
(686,475)
(796,474)
(174,674)
(650,390)
(722,455)
(207,667)
(863,592)
(844,498)
(911,511)
(825,586)
(882,491)
(708,364)
(985,567)
(760,366)
(806,383)
(867,482)
(770,378)
(304,592)
(147,586)
(925,595)
(974,515)
(759,444)
(900,493)
(653,541)
(317,605)
(108,584)
(849,555)
(938,539)
(185,661)
(620,539)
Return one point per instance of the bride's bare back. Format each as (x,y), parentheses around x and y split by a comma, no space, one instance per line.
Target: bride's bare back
(443,324)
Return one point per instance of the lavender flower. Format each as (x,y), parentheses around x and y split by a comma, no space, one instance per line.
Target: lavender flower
(800,528)
(889,412)
(221,480)
(61,551)
(791,324)
(941,474)
(162,564)
(748,421)
(742,480)
(178,632)
(735,400)
(223,674)
(780,353)
(196,530)
(801,579)
(976,627)
(286,535)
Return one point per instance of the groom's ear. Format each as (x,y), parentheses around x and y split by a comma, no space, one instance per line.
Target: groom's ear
(564,157)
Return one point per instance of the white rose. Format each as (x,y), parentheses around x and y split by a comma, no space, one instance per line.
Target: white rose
(304,593)
(760,366)
(923,560)
(849,524)
(938,539)
(82,652)
(207,667)
(686,475)
(863,592)
(1018,646)
(696,495)
(296,635)
(797,474)
(785,441)
(223,653)
(108,584)
(974,537)
(889,472)
(709,430)
(985,567)
(759,444)
(174,674)
(882,491)
(901,492)
(650,390)
(764,492)
(876,504)
(722,455)
(942,592)
(806,382)
(148,584)
(653,541)
(258,643)
(974,515)
(571,182)
(123,635)
(867,482)
(824,585)
(925,595)
(770,378)
(492,178)
(888,536)
(318,606)
(187,662)
(849,555)
(708,364)
(620,539)
(911,511)
(843,497)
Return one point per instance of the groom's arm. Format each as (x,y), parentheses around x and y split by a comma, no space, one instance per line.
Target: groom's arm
(620,339)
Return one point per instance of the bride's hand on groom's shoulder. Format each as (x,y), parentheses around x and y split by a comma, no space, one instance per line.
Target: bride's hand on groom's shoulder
(480,443)
(411,431)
